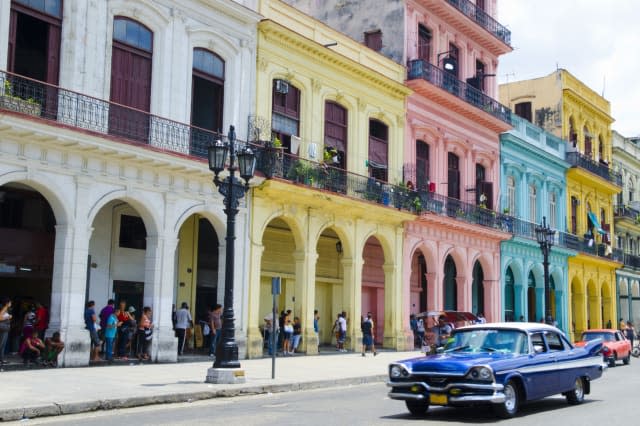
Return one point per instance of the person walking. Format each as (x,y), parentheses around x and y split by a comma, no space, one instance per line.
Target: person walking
(316,326)
(215,326)
(5,326)
(342,325)
(183,322)
(367,336)
(287,335)
(630,332)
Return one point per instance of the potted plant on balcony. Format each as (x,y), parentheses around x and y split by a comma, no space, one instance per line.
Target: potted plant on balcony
(270,158)
(15,103)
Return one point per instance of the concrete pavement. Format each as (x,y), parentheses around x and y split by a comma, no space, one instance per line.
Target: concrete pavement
(49,392)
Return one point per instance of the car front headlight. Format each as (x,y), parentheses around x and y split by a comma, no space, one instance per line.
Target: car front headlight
(484,374)
(397,371)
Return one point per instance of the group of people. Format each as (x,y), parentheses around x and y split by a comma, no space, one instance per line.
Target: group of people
(288,332)
(29,323)
(211,328)
(116,333)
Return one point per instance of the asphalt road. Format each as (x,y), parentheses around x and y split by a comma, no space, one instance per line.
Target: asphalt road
(613,401)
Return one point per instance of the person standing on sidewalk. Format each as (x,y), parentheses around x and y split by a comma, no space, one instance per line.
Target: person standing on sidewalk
(297,335)
(367,336)
(90,324)
(342,326)
(5,326)
(215,325)
(183,322)
(110,329)
(316,326)
(268,325)
(145,334)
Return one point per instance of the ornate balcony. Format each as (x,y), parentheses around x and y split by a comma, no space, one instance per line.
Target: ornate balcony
(631,261)
(483,19)
(420,69)
(625,212)
(577,159)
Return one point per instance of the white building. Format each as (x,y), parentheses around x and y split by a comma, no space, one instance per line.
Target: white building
(104,184)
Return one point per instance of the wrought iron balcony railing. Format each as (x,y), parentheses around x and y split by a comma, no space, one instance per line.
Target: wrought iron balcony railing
(632,260)
(31,97)
(627,212)
(421,68)
(483,19)
(580,160)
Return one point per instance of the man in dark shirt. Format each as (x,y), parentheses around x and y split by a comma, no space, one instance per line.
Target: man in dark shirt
(215,325)
(90,324)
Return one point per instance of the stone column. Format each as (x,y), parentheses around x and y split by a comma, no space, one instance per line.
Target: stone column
(434,293)
(306,296)
(540,300)
(352,300)
(254,337)
(463,294)
(492,300)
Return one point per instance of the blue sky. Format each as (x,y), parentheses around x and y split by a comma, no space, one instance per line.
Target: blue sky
(597,41)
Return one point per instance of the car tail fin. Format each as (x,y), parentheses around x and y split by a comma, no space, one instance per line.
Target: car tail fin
(594,347)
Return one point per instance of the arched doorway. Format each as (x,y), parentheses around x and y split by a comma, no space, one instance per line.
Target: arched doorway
(198,272)
(328,283)
(477,289)
(509,296)
(27,240)
(450,287)
(531,297)
(373,281)
(418,283)
(552,298)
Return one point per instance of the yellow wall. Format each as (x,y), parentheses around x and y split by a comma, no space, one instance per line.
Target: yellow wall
(187,260)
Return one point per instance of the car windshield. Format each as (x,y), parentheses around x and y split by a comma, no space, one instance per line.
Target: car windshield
(592,335)
(488,340)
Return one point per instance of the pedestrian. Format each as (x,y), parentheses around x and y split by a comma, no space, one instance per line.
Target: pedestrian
(442,331)
(215,326)
(145,334)
(29,321)
(342,322)
(183,322)
(413,324)
(109,331)
(104,315)
(336,331)
(124,326)
(31,348)
(316,326)
(90,324)
(480,318)
(630,332)
(367,336)
(287,335)
(42,319)
(269,321)
(53,346)
(297,335)
(622,325)
(5,326)
(420,330)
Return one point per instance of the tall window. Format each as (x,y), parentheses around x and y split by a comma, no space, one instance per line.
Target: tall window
(422,165)
(207,96)
(378,150)
(509,296)
(454,54)
(285,118)
(335,131)
(601,149)
(424,43)
(130,79)
(453,176)
(553,212)
(573,136)
(533,199)
(511,195)
(588,146)
(484,189)
(574,215)
(480,75)
(373,40)
(523,109)
(630,190)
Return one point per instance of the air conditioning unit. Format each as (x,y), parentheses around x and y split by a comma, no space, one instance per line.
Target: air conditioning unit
(282,87)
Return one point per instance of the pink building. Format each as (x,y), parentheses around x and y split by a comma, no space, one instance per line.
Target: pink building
(451,49)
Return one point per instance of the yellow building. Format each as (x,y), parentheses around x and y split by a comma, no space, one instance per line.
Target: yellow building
(565,106)
(330,220)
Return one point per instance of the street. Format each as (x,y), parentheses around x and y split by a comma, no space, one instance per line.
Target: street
(612,400)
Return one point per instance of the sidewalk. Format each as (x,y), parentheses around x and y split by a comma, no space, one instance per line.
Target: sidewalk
(50,392)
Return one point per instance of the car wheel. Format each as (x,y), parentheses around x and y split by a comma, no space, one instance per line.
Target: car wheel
(612,360)
(509,407)
(636,352)
(417,408)
(627,360)
(576,396)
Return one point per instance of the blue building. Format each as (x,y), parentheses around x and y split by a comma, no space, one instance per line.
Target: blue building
(533,186)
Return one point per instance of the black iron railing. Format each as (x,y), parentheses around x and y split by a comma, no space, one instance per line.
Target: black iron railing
(632,260)
(580,160)
(525,229)
(421,68)
(483,19)
(627,212)
(35,98)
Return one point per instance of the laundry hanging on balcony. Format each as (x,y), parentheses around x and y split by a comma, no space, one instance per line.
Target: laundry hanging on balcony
(594,221)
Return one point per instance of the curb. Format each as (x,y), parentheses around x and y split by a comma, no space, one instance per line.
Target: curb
(76,407)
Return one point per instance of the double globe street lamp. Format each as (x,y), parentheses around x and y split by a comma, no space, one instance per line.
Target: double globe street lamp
(226,367)
(545,237)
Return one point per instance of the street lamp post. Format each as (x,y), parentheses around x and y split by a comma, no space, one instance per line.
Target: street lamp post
(545,236)
(226,366)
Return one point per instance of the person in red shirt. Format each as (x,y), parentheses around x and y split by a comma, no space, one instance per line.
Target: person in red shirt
(42,319)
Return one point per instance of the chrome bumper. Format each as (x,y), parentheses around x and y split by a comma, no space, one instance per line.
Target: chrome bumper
(496,398)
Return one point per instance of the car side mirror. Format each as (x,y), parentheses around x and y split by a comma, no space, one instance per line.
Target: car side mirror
(538,349)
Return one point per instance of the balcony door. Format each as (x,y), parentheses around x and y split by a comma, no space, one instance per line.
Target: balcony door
(130,79)
(207,99)
(453,183)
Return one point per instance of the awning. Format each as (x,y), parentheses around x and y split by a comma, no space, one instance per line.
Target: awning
(594,220)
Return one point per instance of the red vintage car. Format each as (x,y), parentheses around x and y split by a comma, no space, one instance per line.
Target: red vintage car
(615,347)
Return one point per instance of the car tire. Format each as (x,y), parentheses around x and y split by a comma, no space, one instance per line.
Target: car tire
(576,395)
(627,360)
(509,407)
(636,351)
(417,408)
(612,360)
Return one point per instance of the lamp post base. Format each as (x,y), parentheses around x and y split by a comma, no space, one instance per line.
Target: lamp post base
(225,376)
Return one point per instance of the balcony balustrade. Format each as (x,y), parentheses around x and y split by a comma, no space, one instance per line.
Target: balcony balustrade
(627,213)
(632,261)
(483,19)
(422,69)
(577,159)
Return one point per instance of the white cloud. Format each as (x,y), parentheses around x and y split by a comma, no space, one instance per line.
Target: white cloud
(595,40)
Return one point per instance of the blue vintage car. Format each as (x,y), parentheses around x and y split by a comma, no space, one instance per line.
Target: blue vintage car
(502,364)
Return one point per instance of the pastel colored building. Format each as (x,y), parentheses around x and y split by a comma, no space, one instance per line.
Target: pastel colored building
(329,220)
(451,149)
(626,160)
(533,187)
(566,107)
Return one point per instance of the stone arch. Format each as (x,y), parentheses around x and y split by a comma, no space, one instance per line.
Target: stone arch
(293,223)
(387,247)
(343,234)
(635,289)
(623,287)
(138,200)
(459,256)
(214,217)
